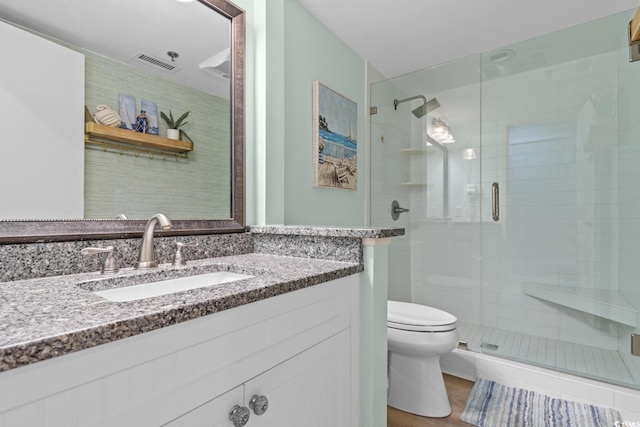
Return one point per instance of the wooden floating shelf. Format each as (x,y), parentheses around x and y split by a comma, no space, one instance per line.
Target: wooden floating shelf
(95,130)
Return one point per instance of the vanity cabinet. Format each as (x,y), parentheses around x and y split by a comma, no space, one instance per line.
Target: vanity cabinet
(313,386)
(300,350)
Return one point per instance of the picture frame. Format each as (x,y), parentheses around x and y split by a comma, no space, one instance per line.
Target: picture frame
(335,141)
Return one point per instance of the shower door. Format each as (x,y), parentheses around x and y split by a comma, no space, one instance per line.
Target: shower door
(551,138)
(527,230)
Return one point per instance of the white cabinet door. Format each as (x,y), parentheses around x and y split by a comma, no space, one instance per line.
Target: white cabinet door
(312,389)
(214,413)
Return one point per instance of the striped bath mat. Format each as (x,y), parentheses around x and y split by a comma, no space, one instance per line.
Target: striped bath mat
(494,405)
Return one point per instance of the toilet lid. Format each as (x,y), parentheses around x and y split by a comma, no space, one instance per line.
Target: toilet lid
(417,317)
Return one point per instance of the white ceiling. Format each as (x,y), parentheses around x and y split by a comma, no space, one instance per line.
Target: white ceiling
(402,36)
(411,35)
(121,29)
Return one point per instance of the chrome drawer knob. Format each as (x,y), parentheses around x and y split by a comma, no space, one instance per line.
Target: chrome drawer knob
(239,415)
(259,404)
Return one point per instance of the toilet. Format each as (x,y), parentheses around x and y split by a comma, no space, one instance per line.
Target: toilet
(417,336)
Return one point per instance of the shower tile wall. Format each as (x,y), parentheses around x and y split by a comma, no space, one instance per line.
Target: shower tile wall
(442,256)
(446,261)
(448,276)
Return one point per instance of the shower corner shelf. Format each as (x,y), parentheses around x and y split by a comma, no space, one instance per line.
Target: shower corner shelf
(102,132)
(414,150)
(607,304)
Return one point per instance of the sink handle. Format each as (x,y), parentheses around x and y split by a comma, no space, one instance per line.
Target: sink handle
(178,259)
(109,266)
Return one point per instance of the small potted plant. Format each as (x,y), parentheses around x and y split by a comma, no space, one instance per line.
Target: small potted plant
(174,125)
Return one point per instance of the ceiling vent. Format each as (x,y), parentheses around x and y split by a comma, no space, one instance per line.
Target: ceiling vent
(157,63)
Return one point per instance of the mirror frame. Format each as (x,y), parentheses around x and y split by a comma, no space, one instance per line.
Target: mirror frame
(25,231)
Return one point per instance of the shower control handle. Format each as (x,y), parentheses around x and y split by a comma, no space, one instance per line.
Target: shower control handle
(396,210)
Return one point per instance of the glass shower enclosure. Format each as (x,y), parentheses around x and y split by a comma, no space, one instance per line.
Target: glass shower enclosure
(523,195)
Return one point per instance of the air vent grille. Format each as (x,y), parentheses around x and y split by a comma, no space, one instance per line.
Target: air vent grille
(160,64)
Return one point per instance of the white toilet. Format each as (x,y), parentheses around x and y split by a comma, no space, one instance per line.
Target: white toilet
(418,335)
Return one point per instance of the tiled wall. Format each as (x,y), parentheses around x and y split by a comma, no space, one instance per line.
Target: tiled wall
(138,186)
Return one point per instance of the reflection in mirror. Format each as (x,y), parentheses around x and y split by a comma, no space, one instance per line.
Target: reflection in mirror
(192,61)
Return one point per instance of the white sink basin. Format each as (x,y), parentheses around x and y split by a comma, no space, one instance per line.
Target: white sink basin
(164,287)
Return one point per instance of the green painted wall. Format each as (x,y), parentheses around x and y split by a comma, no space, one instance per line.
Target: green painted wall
(275,163)
(373,333)
(312,52)
(288,49)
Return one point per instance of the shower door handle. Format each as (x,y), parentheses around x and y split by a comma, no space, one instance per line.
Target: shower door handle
(495,201)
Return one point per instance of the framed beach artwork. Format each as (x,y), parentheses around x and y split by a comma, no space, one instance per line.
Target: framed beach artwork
(335,140)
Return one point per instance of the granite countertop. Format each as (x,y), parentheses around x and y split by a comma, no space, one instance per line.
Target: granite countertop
(48,317)
(310,230)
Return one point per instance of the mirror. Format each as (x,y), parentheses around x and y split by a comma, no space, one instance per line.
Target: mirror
(197,30)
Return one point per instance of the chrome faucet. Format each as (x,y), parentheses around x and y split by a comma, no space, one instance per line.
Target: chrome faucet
(147,257)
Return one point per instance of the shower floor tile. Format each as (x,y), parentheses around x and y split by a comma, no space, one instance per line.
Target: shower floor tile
(589,362)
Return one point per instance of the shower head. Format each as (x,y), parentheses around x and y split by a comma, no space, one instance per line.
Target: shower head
(426,108)
(422,110)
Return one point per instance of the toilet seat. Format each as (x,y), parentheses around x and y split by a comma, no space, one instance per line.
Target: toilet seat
(418,318)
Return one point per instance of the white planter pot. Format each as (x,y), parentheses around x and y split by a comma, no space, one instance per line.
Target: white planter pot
(173,133)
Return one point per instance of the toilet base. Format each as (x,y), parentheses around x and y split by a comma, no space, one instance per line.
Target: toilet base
(416,385)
